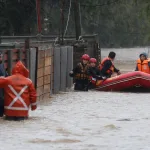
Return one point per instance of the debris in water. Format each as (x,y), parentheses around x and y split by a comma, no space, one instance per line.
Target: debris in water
(124,119)
(55,141)
(110,126)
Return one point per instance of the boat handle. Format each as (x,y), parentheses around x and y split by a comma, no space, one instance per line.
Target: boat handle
(138,85)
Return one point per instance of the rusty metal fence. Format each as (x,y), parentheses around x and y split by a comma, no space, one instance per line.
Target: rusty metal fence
(11,56)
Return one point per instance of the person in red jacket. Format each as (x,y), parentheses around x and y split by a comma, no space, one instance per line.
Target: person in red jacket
(19,93)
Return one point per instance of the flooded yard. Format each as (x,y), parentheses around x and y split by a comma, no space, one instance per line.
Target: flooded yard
(83,121)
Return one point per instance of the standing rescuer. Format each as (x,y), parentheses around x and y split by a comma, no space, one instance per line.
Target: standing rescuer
(107,67)
(143,63)
(80,75)
(19,93)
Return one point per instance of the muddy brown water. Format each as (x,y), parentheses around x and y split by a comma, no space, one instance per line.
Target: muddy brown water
(83,121)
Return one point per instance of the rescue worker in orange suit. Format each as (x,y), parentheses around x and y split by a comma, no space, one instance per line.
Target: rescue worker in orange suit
(19,93)
(107,67)
(143,63)
(81,79)
(94,73)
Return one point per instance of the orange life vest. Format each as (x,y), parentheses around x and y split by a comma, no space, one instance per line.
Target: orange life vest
(111,69)
(143,66)
(83,75)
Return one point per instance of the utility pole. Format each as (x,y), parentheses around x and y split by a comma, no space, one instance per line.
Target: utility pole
(62,20)
(77,19)
(38,14)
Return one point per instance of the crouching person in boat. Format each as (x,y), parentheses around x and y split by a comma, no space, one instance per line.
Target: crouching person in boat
(94,73)
(19,93)
(81,78)
(107,67)
(143,63)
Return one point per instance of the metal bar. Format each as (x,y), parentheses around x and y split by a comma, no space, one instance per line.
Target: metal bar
(20,54)
(36,66)
(45,36)
(52,70)
(62,21)
(6,46)
(27,51)
(10,61)
(57,73)
(38,13)
(69,66)
(77,19)
(63,68)
(3,53)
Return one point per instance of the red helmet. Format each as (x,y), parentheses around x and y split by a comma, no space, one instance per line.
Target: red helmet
(85,57)
(93,60)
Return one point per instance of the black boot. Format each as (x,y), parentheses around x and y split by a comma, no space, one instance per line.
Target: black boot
(1,111)
(14,118)
(78,87)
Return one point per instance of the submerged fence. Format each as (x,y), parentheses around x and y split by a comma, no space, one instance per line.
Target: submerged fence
(63,63)
(49,67)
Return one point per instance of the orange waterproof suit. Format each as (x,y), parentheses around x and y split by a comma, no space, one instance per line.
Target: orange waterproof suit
(19,92)
(111,69)
(143,66)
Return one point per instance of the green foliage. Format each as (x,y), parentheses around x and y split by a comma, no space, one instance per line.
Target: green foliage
(119,23)
(15,16)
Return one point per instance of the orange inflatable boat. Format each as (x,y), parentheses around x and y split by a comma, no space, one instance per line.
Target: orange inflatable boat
(132,81)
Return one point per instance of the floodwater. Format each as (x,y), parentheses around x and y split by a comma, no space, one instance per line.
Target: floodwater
(83,121)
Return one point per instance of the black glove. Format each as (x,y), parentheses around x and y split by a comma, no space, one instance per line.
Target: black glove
(118,73)
(71,75)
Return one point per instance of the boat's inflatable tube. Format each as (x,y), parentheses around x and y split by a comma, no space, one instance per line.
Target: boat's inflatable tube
(126,81)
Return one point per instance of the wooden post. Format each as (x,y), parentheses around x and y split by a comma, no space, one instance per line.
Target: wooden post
(77,19)
(36,67)
(38,14)
(10,61)
(20,54)
(27,51)
(99,51)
